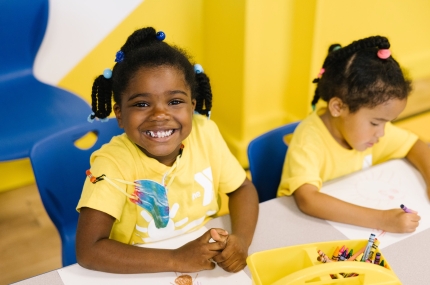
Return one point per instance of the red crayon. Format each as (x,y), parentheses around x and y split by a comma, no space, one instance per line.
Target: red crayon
(342,249)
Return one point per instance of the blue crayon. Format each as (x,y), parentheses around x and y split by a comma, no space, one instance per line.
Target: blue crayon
(342,257)
(342,249)
(368,247)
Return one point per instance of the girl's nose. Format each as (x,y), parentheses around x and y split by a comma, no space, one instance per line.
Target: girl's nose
(159,112)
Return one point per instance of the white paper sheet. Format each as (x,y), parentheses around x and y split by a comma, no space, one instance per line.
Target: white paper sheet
(383,186)
(75,274)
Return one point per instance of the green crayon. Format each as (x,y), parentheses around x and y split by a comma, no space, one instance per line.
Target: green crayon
(351,252)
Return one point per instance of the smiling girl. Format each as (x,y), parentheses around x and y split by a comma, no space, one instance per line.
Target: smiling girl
(163,176)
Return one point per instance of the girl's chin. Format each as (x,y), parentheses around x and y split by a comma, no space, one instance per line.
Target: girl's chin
(159,152)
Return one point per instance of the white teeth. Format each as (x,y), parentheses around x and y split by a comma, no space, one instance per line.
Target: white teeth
(160,134)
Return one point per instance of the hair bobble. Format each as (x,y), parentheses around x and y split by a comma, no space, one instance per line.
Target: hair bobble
(107,73)
(91,117)
(384,53)
(119,56)
(198,68)
(160,36)
(316,80)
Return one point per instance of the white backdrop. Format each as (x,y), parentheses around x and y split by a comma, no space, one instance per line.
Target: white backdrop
(74,29)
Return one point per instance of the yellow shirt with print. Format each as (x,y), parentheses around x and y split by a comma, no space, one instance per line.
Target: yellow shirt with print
(205,169)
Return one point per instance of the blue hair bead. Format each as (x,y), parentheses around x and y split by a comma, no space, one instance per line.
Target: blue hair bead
(107,73)
(91,117)
(198,68)
(104,120)
(119,56)
(160,36)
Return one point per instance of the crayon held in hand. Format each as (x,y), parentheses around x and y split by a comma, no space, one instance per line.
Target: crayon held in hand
(404,208)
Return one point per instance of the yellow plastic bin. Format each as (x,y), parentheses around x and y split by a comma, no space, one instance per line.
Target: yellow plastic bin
(298,264)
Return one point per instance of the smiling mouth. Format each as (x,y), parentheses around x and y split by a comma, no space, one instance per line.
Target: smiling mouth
(160,134)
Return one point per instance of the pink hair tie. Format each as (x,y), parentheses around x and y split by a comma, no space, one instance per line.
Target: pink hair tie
(321,72)
(384,53)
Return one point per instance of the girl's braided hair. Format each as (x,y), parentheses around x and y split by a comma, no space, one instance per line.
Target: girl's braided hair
(146,48)
(359,77)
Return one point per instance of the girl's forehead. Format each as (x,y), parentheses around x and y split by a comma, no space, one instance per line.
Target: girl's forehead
(160,73)
(157,79)
(388,110)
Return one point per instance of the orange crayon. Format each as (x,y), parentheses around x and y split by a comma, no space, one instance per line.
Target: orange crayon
(335,254)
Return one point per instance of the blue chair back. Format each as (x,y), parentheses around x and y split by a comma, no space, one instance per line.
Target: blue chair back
(266,155)
(31,110)
(23,27)
(59,167)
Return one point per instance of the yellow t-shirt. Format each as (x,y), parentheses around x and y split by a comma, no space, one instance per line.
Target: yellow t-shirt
(205,169)
(314,156)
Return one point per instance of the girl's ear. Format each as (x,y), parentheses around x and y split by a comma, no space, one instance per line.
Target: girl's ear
(117,110)
(193,102)
(336,106)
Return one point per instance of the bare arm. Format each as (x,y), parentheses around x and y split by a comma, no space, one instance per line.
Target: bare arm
(94,250)
(320,205)
(419,156)
(243,206)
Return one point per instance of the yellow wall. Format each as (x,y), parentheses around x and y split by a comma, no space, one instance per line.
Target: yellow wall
(261,55)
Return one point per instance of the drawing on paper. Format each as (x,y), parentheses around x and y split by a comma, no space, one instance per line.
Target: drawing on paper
(383,187)
(185,279)
(377,189)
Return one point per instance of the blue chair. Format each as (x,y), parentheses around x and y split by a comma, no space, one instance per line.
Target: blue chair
(31,110)
(59,167)
(266,155)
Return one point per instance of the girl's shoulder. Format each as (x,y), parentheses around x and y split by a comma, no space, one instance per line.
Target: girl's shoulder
(201,124)
(310,129)
(119,147)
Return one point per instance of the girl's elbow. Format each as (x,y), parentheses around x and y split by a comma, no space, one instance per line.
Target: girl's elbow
(85,258)
(304,203)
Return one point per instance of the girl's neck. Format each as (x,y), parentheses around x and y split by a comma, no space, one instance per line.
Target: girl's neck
(167,160)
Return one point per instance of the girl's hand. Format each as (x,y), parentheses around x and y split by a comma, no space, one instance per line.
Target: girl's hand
(197,254)
(397,221)
(233,257)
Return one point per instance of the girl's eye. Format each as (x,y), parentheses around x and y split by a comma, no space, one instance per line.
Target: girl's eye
(141,104)
(175,102)
(373,124)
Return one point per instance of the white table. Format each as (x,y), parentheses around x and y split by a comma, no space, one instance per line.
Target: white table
(282,224)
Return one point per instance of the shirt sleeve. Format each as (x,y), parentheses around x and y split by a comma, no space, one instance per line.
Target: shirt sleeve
(102,196)
(395,143)
(302,166)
